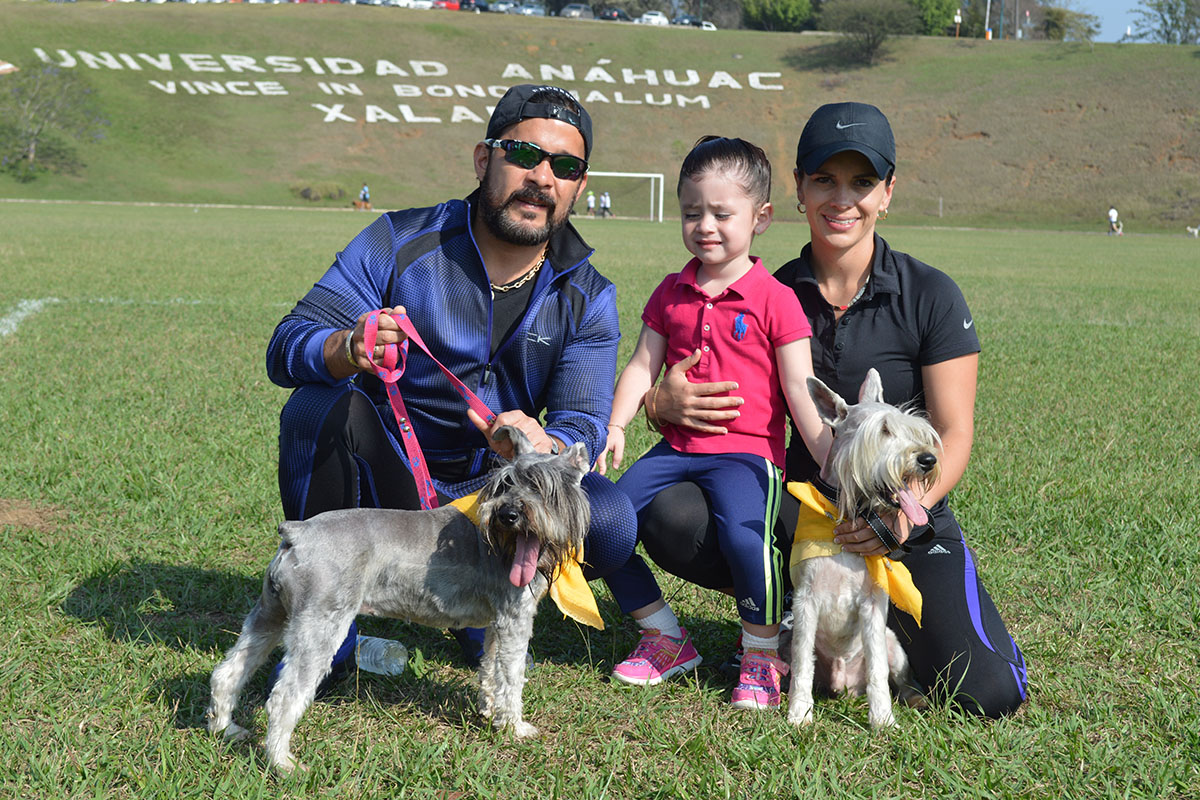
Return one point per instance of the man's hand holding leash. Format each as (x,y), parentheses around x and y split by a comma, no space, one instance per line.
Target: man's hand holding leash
(345,353)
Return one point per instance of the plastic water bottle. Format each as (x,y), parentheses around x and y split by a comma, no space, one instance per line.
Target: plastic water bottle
(381,656)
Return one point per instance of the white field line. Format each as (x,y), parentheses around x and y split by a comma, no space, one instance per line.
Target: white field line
(27,307)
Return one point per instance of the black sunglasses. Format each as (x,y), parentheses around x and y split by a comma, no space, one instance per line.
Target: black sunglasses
(527,155)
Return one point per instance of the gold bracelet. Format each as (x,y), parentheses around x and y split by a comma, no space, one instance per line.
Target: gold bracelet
(651,412)
(350,350)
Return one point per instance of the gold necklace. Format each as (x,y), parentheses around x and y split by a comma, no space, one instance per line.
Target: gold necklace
(521,281)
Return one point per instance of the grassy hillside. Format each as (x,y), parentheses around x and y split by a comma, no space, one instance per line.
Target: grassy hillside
(997,133)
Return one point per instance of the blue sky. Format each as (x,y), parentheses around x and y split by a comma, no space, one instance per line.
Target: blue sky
(1114,16)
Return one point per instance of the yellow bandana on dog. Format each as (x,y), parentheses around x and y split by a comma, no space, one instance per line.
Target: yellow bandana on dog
(814,538)
(568,588)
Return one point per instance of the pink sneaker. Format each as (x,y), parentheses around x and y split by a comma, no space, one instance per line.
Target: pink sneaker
(656,658)
(758,685)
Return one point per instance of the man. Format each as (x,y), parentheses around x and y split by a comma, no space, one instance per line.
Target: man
(500,287)
(591,203)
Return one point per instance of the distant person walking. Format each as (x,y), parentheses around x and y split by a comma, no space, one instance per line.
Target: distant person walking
(1115,228)
(605,205)
(364,194)
(591,203)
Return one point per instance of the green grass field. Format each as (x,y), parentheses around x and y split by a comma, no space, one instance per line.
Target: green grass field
(138,505)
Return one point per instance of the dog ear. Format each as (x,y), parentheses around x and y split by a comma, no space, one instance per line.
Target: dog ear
(831,408)
(577,457)
(520,442)
(872,388)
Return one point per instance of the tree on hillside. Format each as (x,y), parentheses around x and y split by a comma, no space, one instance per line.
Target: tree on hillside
(936,15)
(1167,21)
(39,110)
(1060,24)
(776,15)
(868,24)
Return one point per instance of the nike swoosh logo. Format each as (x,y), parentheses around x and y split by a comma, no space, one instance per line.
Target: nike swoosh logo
(842,127)
(967,323)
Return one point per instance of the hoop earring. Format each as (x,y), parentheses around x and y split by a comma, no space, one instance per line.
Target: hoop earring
(883,212)
(800,207)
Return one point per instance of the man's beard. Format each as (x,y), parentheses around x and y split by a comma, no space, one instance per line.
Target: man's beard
(495,214)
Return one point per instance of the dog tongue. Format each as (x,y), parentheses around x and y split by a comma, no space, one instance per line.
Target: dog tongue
(524,560)
(911,508)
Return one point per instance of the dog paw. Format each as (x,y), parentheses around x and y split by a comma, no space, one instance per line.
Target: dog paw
(885,720)
(522,729)
(800,713)
(288,765)
(234,733)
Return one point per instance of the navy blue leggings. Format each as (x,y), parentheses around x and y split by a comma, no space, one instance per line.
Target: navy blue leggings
(744,492)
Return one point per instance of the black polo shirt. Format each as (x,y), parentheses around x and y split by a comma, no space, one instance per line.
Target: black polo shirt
(911,315)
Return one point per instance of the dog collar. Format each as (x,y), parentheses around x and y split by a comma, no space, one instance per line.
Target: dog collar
(813,538)
(896,550)
(568,588)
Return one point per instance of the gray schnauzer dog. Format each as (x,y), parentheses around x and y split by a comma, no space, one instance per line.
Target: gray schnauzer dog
(432,567)
(839,611)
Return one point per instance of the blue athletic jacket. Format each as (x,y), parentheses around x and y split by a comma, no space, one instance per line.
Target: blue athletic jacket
(561,359)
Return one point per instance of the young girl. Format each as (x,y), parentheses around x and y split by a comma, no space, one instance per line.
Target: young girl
(746,327)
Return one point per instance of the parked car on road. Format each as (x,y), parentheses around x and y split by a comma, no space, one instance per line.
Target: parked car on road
(685,19)
(615,15)
(653,18)
(529,10)
(449,5)
(472,5)
(501,6)
(577,11)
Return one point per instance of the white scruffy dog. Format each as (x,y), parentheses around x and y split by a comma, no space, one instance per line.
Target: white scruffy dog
(839,609)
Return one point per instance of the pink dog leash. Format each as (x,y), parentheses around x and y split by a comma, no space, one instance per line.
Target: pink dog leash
(389,373)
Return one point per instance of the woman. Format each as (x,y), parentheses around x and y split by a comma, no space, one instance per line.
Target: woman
(869,306)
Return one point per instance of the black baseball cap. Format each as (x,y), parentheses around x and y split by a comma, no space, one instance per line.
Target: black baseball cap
(516,106)
(835,127)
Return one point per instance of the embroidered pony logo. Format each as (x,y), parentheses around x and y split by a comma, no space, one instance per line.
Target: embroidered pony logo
(739,326)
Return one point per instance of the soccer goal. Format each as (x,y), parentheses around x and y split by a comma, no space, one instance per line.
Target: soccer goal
(632,195)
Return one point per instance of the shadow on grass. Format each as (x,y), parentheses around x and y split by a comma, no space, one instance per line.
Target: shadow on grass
(830,57)
(838,56)
(191,609)
(178,606)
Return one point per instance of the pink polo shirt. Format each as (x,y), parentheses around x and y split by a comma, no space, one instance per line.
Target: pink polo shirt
(737,333)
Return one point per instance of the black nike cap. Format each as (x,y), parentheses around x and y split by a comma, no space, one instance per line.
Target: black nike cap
(836,127)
